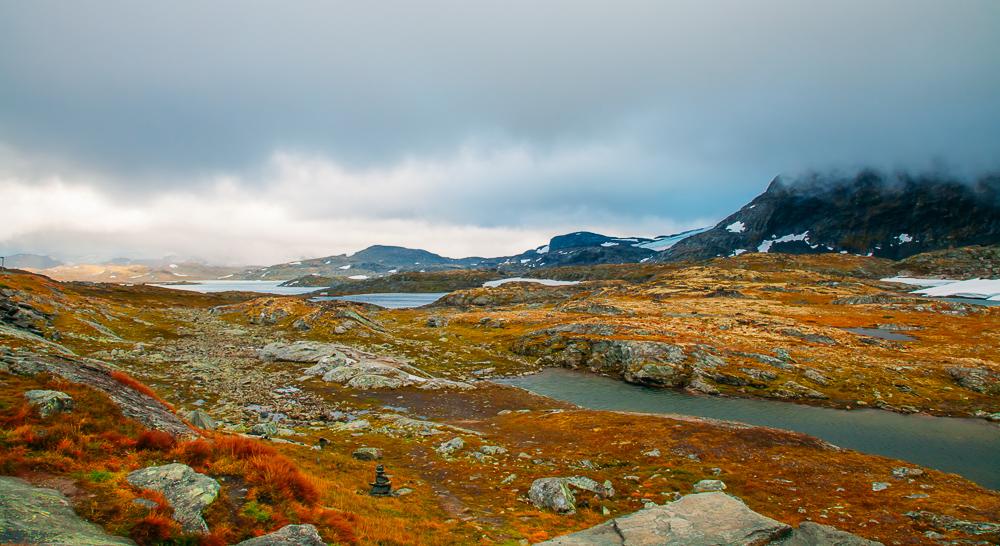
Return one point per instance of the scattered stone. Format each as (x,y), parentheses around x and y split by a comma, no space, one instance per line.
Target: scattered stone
(367,454)
(699,519)
(605,490)
(34,515)
(49,402)
(949,523)
(905,472)
(297,351)
(436,322)
(187,491)
(289,535)
(451,446)
(356,425)
(509,479)
(552,494)
(201,420)
(652,453)
(879,486)
(705,486)
(814,534)
(493,450)
(402,492)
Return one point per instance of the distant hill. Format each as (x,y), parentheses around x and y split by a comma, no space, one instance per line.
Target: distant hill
(870,213)
(30,261)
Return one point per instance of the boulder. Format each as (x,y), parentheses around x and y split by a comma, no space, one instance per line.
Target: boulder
(34,515)
(289,535)
(264,429)
(701,519)
(492,450)
(605,490)
(705,486)
(202,420)
(552,494)
(49,402)
(187,491)
(367,454)
(451,446)
(814,534)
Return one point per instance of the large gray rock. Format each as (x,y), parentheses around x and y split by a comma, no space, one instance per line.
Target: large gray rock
(33,515)
(49,402)
(187,491)
(552,494)
(814,534)
(202,420)
(289,535)
(702,519)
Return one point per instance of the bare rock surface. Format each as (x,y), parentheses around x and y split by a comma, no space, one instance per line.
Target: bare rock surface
(35,515)
(187,491)
(289,535)
(702,519)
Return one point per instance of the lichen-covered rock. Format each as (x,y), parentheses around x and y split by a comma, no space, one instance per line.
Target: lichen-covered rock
(705,486)
(289,535)
(814,534)
(702,519)
(264,429)
(552,494)
(187,491)
(49,402)
(34,515)
(976,379)
(451,446)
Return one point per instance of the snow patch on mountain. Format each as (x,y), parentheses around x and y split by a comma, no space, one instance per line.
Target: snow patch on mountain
(736,227)
(765,245)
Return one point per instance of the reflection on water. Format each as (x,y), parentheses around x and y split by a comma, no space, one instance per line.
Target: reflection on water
(965,446)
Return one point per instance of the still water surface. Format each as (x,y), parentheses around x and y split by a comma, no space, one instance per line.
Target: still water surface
(970,447)
(389,300)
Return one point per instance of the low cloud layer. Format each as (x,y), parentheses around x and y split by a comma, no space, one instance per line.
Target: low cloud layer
(258,132)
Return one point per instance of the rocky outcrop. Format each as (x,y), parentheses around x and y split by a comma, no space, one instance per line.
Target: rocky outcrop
(552,494)
(187,491)
(289,535)
(33,515)
(358,369)
(133,403)
(976,379)
(49,402)
(298,351)
(814,534)
(699,519)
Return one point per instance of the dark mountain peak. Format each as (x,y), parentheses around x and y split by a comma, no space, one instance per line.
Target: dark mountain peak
(577,239)
(866,212)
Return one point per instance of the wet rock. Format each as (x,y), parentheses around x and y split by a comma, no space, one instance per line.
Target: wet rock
(705,486)
(698,384)
(49,402)
(699,519)
(202,420)
(552,494)
(34,515)
(814,534)
(976,379)
(187,491)
(367,454)
(289,535)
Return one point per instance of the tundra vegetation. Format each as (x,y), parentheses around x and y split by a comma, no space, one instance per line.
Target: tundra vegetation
(287,405)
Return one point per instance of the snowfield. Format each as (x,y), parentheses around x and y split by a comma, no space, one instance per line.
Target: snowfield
(981,289)
(546,282)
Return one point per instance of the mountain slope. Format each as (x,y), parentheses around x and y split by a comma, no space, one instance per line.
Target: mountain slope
(869,213)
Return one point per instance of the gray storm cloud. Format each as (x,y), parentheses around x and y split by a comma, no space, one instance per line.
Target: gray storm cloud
(495,122)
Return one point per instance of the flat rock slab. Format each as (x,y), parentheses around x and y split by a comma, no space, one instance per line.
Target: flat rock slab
(289,535)
(701,519)
(187,491)
(34,515)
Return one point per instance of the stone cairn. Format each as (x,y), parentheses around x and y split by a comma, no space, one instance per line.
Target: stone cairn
(382,486)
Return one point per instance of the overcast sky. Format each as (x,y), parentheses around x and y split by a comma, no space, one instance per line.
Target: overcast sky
(260,132)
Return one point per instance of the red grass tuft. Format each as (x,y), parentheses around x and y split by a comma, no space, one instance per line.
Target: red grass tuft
(195,452)
(153,528)
(155,440)
(135,384)
(334,526)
